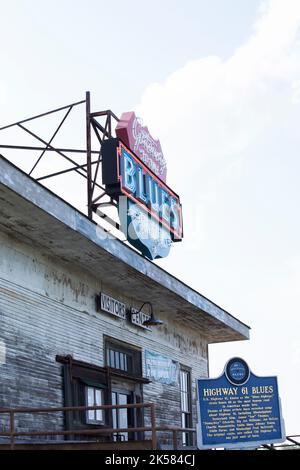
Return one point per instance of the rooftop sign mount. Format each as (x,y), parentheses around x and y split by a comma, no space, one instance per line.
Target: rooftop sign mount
(133,177)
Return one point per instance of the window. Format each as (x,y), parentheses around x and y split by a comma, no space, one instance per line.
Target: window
(123,357)
(126,386)
(119,360)
(121,417)
(85,385)
(185,401)
(94,397)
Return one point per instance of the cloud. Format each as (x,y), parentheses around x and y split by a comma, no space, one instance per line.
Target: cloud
(228,128)
(223,105)
(210,111)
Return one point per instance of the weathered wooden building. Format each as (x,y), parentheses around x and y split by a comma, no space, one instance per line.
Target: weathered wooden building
(68,336)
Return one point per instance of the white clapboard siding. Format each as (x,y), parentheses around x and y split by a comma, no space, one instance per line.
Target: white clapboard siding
(48,308)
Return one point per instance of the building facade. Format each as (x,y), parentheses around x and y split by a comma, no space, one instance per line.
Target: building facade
(70,339)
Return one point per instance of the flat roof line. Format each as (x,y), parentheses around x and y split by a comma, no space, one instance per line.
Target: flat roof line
(79,222)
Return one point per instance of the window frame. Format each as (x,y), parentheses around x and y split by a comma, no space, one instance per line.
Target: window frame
(119,356)
(116,414)
(77,375)
(186,416)
(95,390)
(132,375)
(133,356)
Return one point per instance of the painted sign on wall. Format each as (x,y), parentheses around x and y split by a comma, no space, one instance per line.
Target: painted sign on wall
(152,215)
(137,138)
(161,368)
(238,409)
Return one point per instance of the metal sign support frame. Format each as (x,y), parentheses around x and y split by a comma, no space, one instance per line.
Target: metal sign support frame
(93,126)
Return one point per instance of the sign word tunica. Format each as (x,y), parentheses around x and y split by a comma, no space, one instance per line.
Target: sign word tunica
(152,214)
(137,137)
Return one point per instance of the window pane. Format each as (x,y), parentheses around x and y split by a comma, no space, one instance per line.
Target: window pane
(117,357)
(181,399)
(118,360)
(91,415)
(111,358)
(123,399)
(98,398)
(121,361)
(123,358)
(185,399)
(123,414)
(183,403)
(90,402)
(90,396)
(185,392)
(114,411)
(184,381)
(183,420)
(98,402)
(181,380)
(94,398)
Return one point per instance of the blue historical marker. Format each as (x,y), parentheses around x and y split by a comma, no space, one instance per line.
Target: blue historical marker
(238,409)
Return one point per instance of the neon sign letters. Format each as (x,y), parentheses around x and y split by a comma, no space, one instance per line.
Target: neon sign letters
(153,211)
(134,172)
(143,187)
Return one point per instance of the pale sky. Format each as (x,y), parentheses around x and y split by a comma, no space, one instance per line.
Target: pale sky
(218,82)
